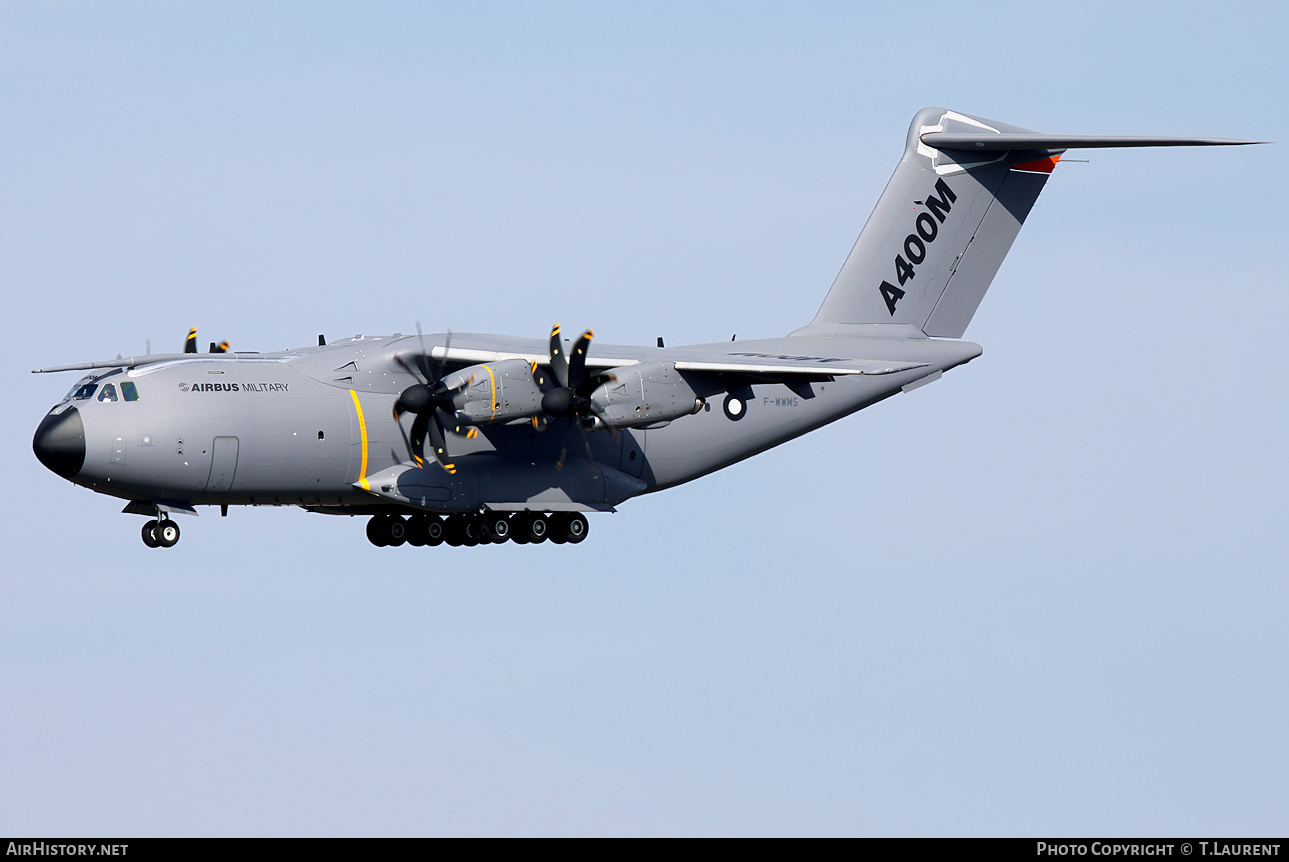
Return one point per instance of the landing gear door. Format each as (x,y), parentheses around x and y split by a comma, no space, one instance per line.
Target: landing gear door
(631,460)
(223,464)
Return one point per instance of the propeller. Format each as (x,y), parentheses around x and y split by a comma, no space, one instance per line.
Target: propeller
(190,343)
(431,402)
(571,399)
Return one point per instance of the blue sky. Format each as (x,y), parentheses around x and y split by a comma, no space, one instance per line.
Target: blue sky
(1045,595)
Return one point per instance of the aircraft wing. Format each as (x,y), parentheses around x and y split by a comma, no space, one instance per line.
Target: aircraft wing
(762,364)
(706,360)
(462,356)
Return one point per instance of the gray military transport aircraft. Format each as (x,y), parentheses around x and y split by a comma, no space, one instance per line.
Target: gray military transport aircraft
(525,435)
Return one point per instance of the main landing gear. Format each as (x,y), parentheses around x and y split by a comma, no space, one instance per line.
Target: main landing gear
(494,528)
(160,534)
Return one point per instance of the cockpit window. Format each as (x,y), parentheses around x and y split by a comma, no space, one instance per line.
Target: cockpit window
(85,392)
(80,384)
(129,391)
(108,393)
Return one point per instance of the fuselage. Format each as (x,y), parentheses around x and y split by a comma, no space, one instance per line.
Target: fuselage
(315,427)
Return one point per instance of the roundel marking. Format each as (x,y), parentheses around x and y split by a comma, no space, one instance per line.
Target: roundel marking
(735,407)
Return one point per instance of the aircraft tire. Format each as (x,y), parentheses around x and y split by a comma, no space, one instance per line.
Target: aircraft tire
(576,528)
(375,534)
(416,531)
(167,533)
(495,528)
(454,531)
(150,534)
(394,530)
(519,528)
(435,532)
(471,529)
(535,529)
(558,523)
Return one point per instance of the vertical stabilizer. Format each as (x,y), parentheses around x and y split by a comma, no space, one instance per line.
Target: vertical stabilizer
(939,231)
(945,222)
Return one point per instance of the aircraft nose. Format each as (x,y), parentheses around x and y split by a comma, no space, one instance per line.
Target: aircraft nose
(60,442)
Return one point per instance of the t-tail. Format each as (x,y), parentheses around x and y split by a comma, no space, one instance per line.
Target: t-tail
(945,222)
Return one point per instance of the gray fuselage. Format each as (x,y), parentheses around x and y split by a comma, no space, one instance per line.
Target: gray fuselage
(314,427)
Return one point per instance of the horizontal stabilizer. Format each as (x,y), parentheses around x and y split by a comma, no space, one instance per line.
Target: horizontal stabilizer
(1038,141)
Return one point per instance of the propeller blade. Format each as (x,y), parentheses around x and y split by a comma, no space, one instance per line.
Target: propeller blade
(559,364)
(590,459)
(563,449)
(438,443)
(441,364)
(413,369)
(577,363)
(419,429)
(190,345)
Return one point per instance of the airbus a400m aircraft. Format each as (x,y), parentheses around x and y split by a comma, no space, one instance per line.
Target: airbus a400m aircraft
(482,438)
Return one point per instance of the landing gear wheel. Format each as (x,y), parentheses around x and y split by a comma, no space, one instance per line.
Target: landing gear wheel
(576,528)
(454,530)
(375,531)
(395,530)
(434,530)
(167,533)
(416,531)
(150,535)
(495,528)
(558,527)
(570,527)
(471,531)
(533,529)
(425,530)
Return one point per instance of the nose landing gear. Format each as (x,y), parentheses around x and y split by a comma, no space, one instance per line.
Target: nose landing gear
(161,533)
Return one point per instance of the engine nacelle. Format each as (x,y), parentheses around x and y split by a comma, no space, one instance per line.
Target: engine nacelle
(639,395)
(495,392)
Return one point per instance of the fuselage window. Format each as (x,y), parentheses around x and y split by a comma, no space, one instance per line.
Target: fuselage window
(85,392)
(108,393)
(129,391)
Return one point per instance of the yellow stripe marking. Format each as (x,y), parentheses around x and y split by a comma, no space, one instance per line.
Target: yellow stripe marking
(492,378)
(362,428)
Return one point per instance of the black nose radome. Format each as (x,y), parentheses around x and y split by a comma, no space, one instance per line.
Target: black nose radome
(60,442)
